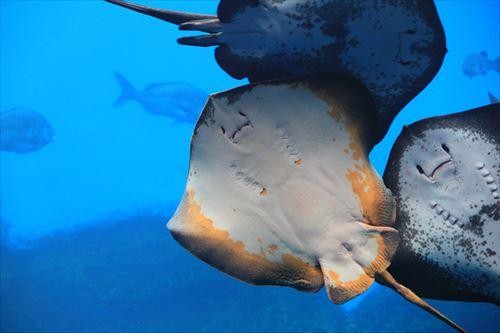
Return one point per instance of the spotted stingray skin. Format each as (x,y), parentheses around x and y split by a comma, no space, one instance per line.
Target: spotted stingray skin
(445,174)
(394,47)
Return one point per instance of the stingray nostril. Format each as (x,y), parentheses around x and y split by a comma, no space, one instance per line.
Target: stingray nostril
(445,148)
(420,170)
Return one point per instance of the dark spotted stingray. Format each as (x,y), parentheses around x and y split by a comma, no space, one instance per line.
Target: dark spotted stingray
(445,173)
(393,47)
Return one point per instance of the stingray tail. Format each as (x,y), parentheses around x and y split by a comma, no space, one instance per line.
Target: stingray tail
(162,14)
(128,91)
(185,21)
(386,279)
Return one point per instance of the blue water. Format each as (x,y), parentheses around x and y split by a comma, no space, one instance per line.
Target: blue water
(84,246)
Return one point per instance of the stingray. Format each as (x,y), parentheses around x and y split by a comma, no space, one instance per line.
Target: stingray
(394,47)
(280,190)
(445,173)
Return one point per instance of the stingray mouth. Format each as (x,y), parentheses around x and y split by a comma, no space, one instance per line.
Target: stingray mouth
(431,176)
(442,163)
(438,167)
(238,129)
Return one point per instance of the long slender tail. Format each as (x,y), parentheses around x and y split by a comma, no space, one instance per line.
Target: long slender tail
(128,91)
(386,279)
(162,14)
(185,21)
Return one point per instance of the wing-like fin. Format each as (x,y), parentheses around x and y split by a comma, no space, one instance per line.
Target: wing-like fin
(386,279)
(342,290)
(199,234)
(349,273)
(171,16)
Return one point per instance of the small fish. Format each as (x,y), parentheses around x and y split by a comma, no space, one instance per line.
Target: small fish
(176,100)
(24,131)
(479,64)
(493,99)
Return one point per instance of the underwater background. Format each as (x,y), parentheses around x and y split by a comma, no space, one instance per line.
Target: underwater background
(84,246)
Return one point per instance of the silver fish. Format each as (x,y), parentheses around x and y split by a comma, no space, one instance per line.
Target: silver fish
(478,64)
(179,101)
(24,131)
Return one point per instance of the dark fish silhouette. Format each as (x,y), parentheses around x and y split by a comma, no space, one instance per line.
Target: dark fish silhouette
(176,100)
(395,48)
(24,131)
(445,173)
(479,64)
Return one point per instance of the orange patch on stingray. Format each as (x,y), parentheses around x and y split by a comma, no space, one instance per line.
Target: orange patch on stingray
(366,186)
(273,248)
(357,151)
(355,144)
(298,162)
(376,201)
(335,114)
(386,247)
(344,291)
(198,234)
(263,191)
